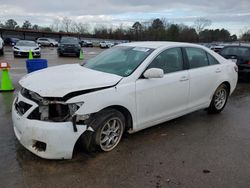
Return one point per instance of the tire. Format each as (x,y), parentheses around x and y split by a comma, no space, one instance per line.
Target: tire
(109,126)
(51,45)
(219,99)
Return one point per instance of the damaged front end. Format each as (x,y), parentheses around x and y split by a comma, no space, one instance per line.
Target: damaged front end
(52,109)
(48,127)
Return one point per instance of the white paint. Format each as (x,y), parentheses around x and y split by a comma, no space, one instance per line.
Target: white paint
(150,101)
(58,81)
(153,73)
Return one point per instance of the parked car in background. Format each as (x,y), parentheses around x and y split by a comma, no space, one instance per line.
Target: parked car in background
(22,48)
(86,43)
(106,44)
(11,41)
(69,46)
(1,46)
(129,87)
(241,56)
(47,42)
(217,48)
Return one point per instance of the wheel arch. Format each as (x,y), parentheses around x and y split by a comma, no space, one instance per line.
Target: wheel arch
(227,83)
(125,112)
(87,134)
(228,86)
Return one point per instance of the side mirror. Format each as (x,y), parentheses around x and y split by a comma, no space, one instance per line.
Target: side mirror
(153,73)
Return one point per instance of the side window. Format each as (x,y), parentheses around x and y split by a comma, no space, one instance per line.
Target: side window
(196,57)
(212,60)
(169,61)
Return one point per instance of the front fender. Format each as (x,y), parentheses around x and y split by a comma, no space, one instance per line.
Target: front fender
(96,101)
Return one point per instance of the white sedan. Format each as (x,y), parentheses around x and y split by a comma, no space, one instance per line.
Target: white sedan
(23,47)
(129,87)
(106,44)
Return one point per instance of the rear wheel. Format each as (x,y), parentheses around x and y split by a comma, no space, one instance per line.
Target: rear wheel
(219,99)
(109,125)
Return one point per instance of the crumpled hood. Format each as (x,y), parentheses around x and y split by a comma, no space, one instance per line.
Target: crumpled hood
(60,80)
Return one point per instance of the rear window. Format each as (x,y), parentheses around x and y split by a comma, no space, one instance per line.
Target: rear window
(238,51)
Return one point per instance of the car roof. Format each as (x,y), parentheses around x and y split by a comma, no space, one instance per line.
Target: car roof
(157,44)
(242,45)
(69,37)
(218,46)
(26,41)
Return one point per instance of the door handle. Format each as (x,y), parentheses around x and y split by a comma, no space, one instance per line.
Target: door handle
(183,79)
(218,70)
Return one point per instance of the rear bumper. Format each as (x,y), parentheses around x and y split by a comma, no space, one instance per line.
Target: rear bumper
(58,138)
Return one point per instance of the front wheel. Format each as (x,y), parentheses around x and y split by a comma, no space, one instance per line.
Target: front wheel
(219,99)
(109,125)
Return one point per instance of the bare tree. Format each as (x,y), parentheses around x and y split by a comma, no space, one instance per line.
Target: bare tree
(201,23)
(80,27)
(55,26)
(66,24)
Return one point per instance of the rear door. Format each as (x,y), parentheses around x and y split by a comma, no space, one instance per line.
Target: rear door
(161,98)
(204,73)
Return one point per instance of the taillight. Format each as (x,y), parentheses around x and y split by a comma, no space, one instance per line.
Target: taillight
(248,62)
(236,68)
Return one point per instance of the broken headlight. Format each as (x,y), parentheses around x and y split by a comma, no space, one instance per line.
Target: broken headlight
(50,109)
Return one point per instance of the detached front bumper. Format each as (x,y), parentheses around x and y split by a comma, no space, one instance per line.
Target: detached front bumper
(50,140)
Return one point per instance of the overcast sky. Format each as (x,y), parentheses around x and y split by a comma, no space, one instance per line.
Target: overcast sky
(233,15)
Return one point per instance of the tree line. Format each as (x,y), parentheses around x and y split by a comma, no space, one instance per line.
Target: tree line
(151,30)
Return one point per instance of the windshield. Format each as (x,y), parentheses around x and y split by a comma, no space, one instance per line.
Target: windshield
(70,40)
(121,60)
(25,43)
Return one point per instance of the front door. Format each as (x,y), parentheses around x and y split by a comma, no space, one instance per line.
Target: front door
(159,99)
